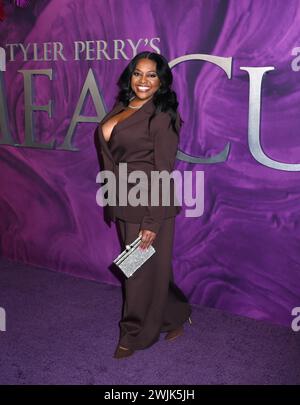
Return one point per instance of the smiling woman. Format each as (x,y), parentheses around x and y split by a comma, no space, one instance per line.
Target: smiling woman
(144,83)
(144,80)
(142,130)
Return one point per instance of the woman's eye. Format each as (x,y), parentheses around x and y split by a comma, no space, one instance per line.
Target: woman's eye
(153,75)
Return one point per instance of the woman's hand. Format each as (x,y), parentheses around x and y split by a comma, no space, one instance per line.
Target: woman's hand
(147,238)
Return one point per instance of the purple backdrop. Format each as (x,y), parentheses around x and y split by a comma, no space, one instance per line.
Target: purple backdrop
(243,254)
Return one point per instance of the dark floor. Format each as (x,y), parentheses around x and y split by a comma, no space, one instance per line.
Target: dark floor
(63,330)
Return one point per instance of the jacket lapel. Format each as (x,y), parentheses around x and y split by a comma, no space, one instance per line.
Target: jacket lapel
(103,142)
(141,114)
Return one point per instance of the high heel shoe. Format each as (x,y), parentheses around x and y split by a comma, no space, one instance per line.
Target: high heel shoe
(174,334)
(122,352)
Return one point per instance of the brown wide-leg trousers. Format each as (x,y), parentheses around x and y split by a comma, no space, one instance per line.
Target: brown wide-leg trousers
(153,303)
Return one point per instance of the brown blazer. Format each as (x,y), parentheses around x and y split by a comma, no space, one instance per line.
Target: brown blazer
(131,142)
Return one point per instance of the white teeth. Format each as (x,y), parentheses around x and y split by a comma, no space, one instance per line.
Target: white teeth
(142,88)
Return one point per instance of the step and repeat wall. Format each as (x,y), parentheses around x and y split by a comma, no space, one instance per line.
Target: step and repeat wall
(236,68)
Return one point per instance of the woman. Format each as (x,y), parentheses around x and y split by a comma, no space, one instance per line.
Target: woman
(142,131)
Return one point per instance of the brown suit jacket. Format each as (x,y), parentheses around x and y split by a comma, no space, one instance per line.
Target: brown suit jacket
(131,142)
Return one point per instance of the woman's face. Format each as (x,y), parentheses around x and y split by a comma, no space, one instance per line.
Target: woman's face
(144,79)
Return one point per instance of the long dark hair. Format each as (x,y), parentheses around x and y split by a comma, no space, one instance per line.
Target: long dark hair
(164,99)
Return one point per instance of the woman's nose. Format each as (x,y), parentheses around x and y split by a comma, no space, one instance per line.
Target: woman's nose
(143,79)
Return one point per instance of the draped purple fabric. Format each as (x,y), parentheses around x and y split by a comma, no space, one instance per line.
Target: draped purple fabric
(243,253)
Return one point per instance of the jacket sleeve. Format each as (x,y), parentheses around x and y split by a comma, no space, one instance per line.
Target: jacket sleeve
(165,148)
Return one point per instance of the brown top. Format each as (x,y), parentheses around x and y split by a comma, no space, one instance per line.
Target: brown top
(131,142)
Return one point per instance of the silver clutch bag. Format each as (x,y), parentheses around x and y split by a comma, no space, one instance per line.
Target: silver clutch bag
(131,259)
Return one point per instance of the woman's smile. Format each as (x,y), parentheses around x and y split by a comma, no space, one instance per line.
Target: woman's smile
(143,88)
